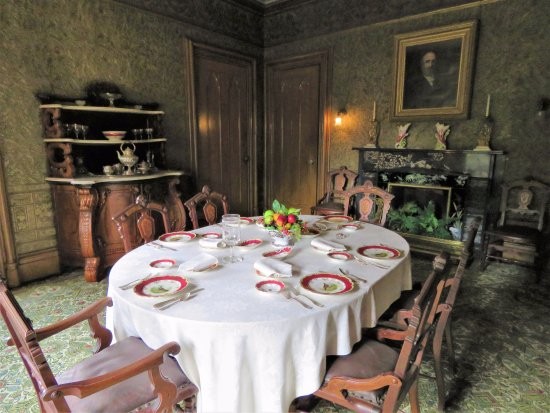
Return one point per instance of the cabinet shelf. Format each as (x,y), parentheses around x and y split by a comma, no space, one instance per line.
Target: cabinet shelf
(102,142)
(108,109)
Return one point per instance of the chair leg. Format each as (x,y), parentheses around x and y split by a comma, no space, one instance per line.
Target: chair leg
(450,345)
(413,397)
(438,368)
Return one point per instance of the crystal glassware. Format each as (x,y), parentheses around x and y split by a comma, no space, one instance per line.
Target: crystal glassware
(231,232)
(84,129)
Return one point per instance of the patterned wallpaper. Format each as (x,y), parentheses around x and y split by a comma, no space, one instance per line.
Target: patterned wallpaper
(511,65)
(59,46)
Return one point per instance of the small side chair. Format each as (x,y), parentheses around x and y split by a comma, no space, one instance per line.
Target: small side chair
(372,203)
(338,181)
(205,207)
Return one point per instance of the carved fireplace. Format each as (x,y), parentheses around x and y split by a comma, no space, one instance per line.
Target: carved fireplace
(465,178)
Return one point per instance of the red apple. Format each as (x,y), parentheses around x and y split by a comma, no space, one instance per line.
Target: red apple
(292,218)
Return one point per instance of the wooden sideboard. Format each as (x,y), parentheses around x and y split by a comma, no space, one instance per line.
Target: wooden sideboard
(84,207)
(482,172)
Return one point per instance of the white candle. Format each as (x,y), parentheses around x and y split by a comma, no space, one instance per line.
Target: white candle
(374,111)
(488,106)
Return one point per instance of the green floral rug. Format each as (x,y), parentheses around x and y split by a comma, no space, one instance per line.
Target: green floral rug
(501,327)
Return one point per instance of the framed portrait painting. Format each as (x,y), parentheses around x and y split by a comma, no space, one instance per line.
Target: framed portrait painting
(433,72)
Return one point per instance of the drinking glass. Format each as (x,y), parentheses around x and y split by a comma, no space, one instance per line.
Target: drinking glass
(231,232)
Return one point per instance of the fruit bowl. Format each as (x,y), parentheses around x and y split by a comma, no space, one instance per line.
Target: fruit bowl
(114,135)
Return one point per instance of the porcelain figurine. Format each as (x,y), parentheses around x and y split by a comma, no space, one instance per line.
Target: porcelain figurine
(401,140)
(441,133)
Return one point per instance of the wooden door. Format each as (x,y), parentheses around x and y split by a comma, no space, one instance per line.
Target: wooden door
(295,138)
(223,124)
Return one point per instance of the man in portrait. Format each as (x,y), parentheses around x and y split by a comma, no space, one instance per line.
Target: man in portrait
(427,83)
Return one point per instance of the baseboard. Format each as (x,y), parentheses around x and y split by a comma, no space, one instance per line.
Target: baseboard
(37,265)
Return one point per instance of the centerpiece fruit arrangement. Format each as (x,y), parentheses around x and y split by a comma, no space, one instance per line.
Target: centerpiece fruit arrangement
(284,220)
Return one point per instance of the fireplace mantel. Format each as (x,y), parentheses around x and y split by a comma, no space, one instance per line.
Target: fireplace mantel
(483,170)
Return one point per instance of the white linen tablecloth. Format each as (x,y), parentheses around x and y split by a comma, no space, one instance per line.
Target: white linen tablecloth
(251,351)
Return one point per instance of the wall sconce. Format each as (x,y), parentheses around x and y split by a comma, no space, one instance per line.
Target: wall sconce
(341,113)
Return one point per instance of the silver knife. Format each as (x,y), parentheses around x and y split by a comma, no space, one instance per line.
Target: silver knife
(296,293)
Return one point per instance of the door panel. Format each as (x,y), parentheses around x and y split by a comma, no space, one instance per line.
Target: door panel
(295,138)
(224,133)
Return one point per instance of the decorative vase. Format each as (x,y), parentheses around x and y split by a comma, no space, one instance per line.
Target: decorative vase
(456,233)
(278,239)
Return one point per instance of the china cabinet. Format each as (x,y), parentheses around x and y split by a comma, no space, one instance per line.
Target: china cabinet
(93,177)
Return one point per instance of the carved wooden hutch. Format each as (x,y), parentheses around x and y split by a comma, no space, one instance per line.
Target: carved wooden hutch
(472,177)
(84,198)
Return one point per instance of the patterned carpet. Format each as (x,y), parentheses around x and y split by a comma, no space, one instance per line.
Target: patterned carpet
(500,323)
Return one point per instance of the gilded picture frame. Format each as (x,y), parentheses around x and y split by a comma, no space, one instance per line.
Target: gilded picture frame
(433,72)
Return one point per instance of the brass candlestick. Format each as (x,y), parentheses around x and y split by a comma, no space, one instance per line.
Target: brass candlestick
(484,139)
(372,133)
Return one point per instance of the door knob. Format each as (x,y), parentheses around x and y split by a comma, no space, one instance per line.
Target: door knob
(246,159)
(311,162)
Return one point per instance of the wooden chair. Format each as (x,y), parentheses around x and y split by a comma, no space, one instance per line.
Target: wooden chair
(518,237)
(118,377)
(143,229)
(372,203)
(205,206)
(400,310)
(338,180)
(376,377)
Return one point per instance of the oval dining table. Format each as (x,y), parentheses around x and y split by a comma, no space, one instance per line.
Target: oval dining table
(254,351)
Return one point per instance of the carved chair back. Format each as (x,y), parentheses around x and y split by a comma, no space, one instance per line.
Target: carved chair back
(372,203)
(402,380)
(523,203)
(206,206)
(337,181)
(137,223)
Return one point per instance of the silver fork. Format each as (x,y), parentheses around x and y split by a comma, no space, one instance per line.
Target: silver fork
(295,292)
(288,295)
(366,261)
(155,244)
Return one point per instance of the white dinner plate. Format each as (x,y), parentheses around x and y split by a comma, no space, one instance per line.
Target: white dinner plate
(327,283)
(161,286)
(179,237)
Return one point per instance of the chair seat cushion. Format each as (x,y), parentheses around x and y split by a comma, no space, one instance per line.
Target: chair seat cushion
(369,360)
(129,394)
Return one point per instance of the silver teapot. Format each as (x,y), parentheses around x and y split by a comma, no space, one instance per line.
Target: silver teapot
(127,157)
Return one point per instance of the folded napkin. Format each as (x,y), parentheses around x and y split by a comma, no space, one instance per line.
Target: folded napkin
(326,245)
(199,263)
(271,267)
(211,243)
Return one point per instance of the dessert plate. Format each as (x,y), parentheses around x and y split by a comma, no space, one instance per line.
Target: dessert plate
(379,252)
(280,253)
(327,283)
(270,286)
(179,237)
(246,221)
(162,264)
(249,243)
(211,235)
(340,255)
(350,227)
(161,286)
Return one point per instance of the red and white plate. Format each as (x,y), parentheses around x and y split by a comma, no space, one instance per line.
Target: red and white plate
(246,220)
(327,283)
(350,227)
(270,286)
(162,264)
(161,286)
(379,252)
(249,243)
(338,219)
(280,253)
(211,235)
(178,237)
(340,255)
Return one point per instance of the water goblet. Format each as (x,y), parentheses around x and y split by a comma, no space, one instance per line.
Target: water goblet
(76,128)
(231,233)
(136,133)
(149,132)
(84,129)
